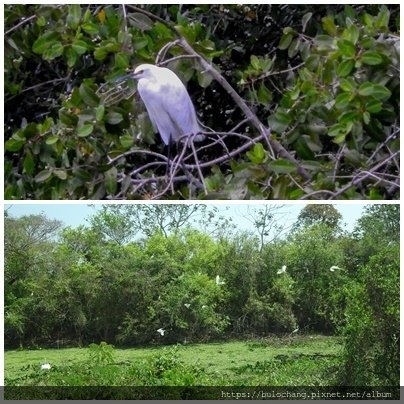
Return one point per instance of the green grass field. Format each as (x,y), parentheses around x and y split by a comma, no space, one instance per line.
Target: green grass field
(301,360)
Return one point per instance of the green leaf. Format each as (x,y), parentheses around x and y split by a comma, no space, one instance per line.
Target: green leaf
(348,85)
(51,140)
(126,141)
(371,58)
(255,62)
(348,117)
(74,16)
(345,67)
(85,130)
(121,61)
(294,47)
(99,112)
(375,90)
(72,56)
(306,18)
(366,117)
(14,145)
(29,163)
(43,175)
(91,28)
(329,25)
(54,51)
(352,34)
(285,41)
(44,41)
(140,21)
(204,78)
(114,118)
(279,121)
(257,154)
(382,19)
(41,21)
(101,53)
(282,166)
(264,94)
(111,181)
(347,48)
(89,96)
(68,118)
(61,174)
(342,100)
(80,46)
(374,106)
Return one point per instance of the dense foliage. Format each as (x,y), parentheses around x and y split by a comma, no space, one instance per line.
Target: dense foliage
(84,286)
(319,86)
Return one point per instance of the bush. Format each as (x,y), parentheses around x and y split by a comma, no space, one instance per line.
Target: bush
(372,330)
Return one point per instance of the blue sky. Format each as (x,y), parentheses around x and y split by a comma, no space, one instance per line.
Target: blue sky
(73,214)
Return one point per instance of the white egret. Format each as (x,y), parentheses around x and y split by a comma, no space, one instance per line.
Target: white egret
(46,366)
(218,281)
(187,305)
(333,268)
(282,270)
(295,330)
(168,103)
(161,331)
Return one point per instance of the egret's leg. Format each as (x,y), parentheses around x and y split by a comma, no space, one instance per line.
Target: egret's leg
(168,157)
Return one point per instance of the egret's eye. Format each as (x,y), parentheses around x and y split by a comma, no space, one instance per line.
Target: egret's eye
(140,72)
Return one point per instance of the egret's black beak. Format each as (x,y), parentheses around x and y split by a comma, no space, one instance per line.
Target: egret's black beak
(126,77)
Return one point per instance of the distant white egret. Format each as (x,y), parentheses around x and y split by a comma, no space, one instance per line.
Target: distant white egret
(282,270)
(161,331)
(295,330)
(46,366)
(168,103)
(187,305)
(204,306)
(333,268)
(218,281)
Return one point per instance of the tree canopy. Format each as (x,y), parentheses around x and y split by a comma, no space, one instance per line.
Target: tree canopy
(303,101)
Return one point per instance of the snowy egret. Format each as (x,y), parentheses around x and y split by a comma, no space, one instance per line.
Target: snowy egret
(282,270)
(167,102)
(46,366)
(161,331)
(333,268)
(218,281)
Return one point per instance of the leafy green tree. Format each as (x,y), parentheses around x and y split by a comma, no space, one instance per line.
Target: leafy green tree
(372,352)
(317,214)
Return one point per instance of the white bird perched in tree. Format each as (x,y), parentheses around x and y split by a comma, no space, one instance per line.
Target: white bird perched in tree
(295,330)
(167,102)
(282,270)
(218,281)
(333,268)
(187,305)
(161,331)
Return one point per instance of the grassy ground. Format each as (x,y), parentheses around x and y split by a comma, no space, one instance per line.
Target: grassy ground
(301,360)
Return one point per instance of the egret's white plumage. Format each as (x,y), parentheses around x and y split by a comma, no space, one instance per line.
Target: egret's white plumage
(282,270)
(218,281)
(168,103)
(161,331)
(333,268)
(46,366)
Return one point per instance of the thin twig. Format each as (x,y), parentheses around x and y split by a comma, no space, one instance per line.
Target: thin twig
(20,24)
